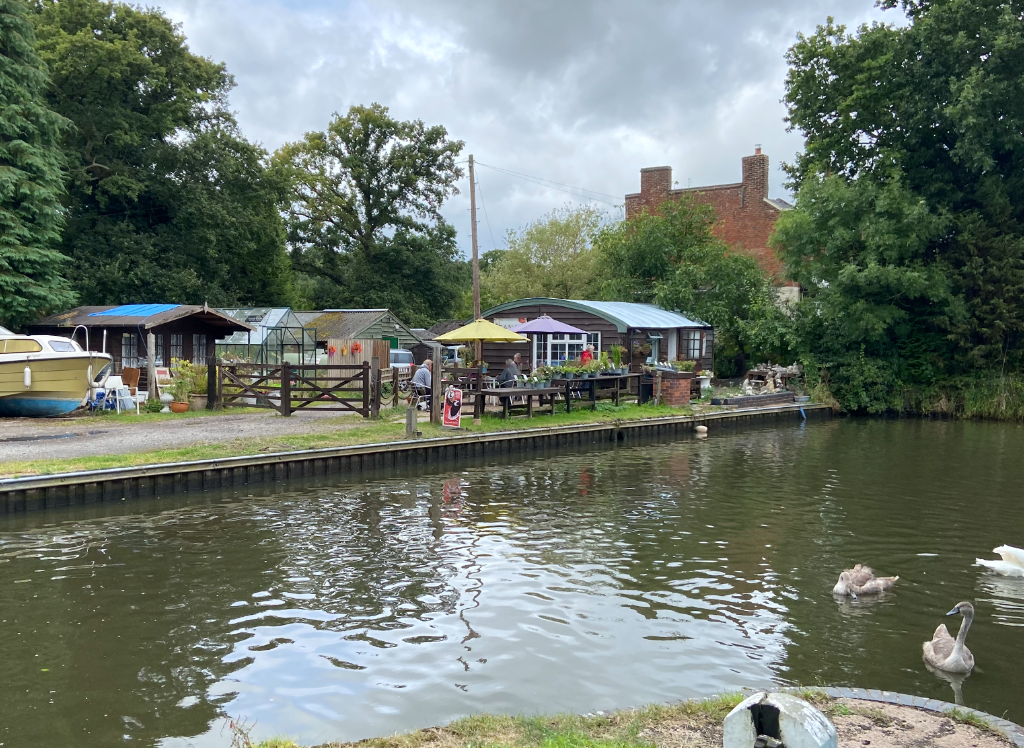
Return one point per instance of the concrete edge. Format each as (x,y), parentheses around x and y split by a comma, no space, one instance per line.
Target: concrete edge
(173,468)
(1009,730)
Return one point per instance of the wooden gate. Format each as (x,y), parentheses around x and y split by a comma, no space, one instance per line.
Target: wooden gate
(349,388)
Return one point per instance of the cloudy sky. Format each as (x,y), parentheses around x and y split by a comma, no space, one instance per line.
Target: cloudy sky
(581,93)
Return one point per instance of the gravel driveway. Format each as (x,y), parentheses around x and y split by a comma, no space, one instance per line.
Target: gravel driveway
(56,438)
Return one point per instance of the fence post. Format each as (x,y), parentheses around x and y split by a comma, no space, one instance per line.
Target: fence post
(395,381)
(366,388)
(375,389)
(220,383)
(657,388)
(436,386)
(286,389)
(212,395)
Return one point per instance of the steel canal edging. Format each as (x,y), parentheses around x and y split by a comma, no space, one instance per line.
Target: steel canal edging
(114,484)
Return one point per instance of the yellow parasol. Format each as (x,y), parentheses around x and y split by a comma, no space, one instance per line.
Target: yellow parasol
(484,331)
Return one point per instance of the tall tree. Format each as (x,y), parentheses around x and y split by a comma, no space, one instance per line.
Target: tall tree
(674,259)
(31,182)
(552,257)
(364,220)
(167,200)
(909,229)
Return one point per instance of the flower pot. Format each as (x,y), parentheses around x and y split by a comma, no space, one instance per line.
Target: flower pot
(178,407)
(197,402)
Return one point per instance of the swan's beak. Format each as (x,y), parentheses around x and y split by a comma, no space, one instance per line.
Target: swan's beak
(953,612)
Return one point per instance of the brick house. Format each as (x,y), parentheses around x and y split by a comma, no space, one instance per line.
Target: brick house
(746,214)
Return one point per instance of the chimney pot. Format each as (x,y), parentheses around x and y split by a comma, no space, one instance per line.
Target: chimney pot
(757,149)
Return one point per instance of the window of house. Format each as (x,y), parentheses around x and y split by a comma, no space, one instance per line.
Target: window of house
(159,349)
(177,347)
(564,347)
(129,350)
(691,345)
(198,349)
(594,339)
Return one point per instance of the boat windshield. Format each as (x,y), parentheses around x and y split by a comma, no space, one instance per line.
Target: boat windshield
(62,346)
(5,331)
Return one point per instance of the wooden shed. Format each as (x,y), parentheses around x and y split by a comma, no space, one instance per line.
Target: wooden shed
(358,324)
(181,331)
(644,330)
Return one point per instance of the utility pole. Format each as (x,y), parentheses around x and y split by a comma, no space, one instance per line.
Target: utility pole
(478,353)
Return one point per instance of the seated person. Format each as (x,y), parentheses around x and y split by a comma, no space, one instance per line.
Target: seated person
(508,374)
(423,379)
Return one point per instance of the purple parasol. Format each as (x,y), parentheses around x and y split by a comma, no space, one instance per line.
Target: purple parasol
(545,324)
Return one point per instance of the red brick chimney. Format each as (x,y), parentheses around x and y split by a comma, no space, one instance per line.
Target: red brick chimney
(755,177)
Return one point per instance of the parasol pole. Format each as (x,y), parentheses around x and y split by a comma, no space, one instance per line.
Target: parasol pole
(478,351)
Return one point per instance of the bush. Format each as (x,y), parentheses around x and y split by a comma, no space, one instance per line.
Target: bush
(152,405)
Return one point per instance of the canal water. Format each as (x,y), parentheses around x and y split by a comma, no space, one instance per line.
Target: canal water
(580,581)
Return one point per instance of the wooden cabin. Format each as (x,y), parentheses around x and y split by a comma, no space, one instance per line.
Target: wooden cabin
(647,332)
(180,331)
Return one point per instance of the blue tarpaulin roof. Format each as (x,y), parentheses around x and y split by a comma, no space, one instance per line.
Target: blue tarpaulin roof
(135,310)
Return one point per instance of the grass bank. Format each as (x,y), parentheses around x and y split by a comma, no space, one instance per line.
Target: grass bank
(390,427)
(631,728)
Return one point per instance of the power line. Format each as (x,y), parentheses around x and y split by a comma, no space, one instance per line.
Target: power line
(483,204)
(542,182)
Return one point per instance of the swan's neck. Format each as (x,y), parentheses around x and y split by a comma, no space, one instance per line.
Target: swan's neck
(957,654)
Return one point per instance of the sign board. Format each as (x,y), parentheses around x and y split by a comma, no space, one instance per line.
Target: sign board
(452,407)
(509,323)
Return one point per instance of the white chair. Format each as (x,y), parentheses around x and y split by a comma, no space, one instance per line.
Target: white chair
(124,399)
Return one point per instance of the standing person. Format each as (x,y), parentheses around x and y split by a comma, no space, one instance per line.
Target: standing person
(588,354)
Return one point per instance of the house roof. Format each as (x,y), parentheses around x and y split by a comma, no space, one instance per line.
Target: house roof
(778,203)
(440,328)
(622,314)
(141,316)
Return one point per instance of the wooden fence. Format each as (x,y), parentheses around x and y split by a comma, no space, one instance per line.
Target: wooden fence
(353,352)
(349,388)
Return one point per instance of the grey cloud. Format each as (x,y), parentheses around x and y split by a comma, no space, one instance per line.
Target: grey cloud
(582,93)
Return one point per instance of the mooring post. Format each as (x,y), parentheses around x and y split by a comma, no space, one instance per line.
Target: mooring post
(286,389)
(410,423)
(375,387)
(436,386)
(657,388)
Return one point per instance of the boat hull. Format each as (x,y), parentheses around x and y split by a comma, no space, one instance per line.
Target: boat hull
(59,384)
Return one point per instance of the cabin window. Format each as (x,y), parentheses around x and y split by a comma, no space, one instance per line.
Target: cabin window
(129,350)
(565,346)
(159,352)
(177,347)
(691,345)
(198,349)
(62,346)
(19,345)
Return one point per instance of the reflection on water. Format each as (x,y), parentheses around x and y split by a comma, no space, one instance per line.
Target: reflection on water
(580,581)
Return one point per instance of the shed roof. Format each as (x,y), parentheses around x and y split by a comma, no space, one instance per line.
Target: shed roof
(142,316)
(347,323)
(622,314)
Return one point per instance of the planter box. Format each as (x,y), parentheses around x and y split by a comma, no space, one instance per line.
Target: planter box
(197,402)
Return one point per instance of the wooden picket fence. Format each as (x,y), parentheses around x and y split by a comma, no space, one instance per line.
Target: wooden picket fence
(287,388)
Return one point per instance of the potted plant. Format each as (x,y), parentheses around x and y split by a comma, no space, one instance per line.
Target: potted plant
(182,378)
(198,398)
(615,353)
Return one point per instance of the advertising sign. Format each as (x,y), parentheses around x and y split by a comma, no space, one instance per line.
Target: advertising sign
(509,323)
(452,407)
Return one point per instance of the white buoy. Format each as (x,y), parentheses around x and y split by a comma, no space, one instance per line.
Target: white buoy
(777,718)
(28,377)
(701,429)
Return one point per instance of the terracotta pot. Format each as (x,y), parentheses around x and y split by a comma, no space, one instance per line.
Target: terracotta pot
(177,407)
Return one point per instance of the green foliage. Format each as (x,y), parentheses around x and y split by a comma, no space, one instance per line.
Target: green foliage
(152,405)
(168,202)
(674,259)
(553,257)
(31,182)
(364,222)
(909,229)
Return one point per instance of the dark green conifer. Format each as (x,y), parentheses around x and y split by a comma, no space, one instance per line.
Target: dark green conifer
(31,181)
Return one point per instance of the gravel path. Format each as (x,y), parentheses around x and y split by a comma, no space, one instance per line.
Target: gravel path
(57,438)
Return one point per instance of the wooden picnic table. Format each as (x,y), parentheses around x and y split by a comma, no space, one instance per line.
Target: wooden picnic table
(507,394)
(618,383)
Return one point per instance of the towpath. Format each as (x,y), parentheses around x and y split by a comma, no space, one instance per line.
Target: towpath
(89,436)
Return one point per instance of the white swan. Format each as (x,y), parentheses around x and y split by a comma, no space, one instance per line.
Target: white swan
(861,580)
(944,652)
(1012,564)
